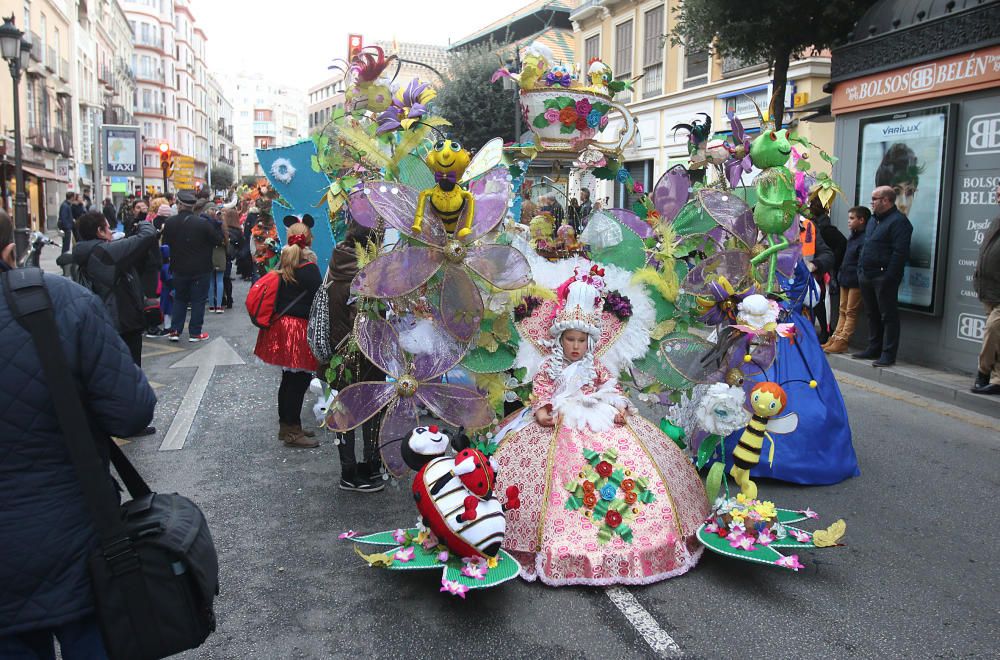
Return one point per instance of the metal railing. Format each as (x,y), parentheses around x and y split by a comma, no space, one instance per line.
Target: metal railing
(732,64)
(57,140)
(51,61)
(652,81)
(625,96)
(36,47)
(154,76)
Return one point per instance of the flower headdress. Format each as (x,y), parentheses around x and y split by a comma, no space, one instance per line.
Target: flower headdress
(582,304)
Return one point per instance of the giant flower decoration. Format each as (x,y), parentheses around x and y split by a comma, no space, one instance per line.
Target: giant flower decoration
(404,269)
(414,380)
(739,159)
(407,107)
(720,307)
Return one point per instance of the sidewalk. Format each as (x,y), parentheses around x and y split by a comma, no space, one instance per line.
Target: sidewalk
(945,386)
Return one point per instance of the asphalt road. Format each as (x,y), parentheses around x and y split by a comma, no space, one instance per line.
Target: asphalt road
(918,578)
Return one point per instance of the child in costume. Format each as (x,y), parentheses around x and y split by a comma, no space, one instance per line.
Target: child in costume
(606,498)
(264,237)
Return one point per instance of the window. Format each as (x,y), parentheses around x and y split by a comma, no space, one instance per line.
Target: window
(652,53)
(591,48)
(623,48)
(695,68)
(641,171)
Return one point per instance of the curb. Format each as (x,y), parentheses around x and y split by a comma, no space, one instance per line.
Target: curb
(946,387)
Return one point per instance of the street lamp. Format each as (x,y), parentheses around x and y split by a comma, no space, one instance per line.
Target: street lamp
(16,50)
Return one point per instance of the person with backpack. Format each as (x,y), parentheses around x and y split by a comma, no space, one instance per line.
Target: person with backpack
(45,524)
(286,294)
(234,234)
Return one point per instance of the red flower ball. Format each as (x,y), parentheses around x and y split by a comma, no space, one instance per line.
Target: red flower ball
(628,484)
(589,500)
(604,469)
(613,518)
(568,116)
(630,497)
(588,486)
(581,123)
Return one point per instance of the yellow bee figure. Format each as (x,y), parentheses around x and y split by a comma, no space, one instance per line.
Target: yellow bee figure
(448,161)
(766,400)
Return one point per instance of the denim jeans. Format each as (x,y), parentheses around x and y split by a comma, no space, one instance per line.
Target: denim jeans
(78,640)
(215,289)
(191,290)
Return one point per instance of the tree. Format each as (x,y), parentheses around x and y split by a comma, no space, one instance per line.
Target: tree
(250,180)
(222,176)
(759,30)
(477,109)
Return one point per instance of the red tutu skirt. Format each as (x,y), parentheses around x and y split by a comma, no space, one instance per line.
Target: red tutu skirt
(284,344)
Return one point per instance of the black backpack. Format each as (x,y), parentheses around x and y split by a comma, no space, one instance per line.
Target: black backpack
(155,572)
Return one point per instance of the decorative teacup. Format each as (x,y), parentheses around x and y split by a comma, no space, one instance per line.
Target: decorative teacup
(561,119)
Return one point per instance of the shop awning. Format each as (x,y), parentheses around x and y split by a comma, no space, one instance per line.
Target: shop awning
(44,174)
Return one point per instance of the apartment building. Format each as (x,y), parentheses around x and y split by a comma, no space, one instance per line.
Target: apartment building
(223,152)
(265,115)
(677,85)
(323,98)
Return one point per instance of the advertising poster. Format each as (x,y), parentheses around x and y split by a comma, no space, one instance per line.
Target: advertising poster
(907,151)
(120,149)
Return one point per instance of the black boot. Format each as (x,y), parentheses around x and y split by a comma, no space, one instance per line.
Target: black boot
(351,479)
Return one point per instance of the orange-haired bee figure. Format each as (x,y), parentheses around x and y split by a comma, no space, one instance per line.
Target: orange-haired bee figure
(766,400)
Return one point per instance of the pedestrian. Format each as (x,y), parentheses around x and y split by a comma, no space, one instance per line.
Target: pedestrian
(829,287)
(45,524)
(66,222)
(140,210)
(191,239)
(586,207)
(109,212)
(880,272)
(573,213)
(78,210)
(284,343)
(125,212)
(216,290)
(244,260)
(366,476)
(987,282)
(234,236)
(528,210)
(847,278)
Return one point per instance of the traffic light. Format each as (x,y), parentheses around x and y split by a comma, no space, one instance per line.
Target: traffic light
(354,45)
(164,156)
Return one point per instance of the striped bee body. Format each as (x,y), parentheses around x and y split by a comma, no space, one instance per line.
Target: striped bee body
(748,448)
(441,498)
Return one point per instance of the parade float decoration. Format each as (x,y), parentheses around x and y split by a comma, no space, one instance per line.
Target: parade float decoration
(461,524)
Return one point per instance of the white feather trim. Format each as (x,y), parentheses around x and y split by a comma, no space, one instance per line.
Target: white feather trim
(630,345)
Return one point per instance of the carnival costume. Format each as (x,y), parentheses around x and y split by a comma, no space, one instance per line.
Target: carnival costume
(602,502)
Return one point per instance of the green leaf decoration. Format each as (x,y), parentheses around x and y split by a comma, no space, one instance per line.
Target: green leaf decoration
(706,449)
(827,157)
(315,163)
(601,107)
(639,209)
(604,534)
(617,477)
(551,104)
(592,456)
(601,508)
(625,532)
(540,121)
(764,554)
(610,455)
(481,361)
(802,165)
(566,130)
(607,173)
(653,366)
(506,569)
(714,480)
(628,255)
(382,538)
(693,219)
(647,497)
(565,102)
(573,503)
(413,172)
(674,432)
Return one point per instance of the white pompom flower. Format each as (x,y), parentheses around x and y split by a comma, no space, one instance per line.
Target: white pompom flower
(282,170)
(720,410)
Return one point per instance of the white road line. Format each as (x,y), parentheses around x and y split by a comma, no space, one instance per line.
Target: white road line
(206,359)
(657,638)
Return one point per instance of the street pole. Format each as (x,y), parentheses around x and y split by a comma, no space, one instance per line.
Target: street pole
(20,198)
(142,168)
(164,178)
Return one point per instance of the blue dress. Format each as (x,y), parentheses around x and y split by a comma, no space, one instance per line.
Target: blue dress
(819,451)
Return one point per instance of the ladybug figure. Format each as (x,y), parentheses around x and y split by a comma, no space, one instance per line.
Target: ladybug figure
(455,495)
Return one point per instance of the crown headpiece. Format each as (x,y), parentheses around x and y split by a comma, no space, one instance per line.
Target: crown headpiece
(582,304)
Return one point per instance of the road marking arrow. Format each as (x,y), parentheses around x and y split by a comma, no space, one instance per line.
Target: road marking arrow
(214,354)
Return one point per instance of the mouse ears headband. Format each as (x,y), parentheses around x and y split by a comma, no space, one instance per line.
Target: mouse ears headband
(306,219)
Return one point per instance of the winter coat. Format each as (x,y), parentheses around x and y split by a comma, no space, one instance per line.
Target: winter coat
(110,215)
(45,526)
(887,246)
(340,273)
(848,275)
(65,216)
(191,239)
(112,271)
(307,281)
(986,277)
(833,238)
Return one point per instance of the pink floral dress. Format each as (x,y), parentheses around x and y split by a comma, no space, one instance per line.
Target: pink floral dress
(617,507)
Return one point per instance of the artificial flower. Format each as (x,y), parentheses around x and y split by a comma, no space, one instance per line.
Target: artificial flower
(722,305)
(618,305)
(581,123)
(474,571)
(568,116)
(712,527)
(791,562)
(809,513)
(613,518)
(720,410)
(349,534)
(583,107)
(800,536)
(430,541)
(604,122)
(630,497)
(405,555)
(453,587)
(282,170)
(551,115)
(588,486)
(589,500)
(739,159)
(608,492)
(737,528)
(765,537)
(407,107)
(591,158)
(604,469)
(637,188)
(400,536)
(743,542)
(766,510)
(594,118)
(628,484)
(622,175)
(443,556)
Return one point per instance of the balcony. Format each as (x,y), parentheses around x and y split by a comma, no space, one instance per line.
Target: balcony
(64,69)
(735,66)
(264,129)
(149,75)
(51,61)
(57,140)
(652,81)
(152,109)
(36,47)
(117,114)
(151,42)
(104,75)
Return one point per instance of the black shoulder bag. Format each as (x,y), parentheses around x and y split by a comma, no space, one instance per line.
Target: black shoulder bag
(155,572)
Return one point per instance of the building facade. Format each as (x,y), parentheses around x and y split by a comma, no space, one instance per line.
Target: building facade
(323,99)
(679,86)
(223,152)
(265,115)
(916,101)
